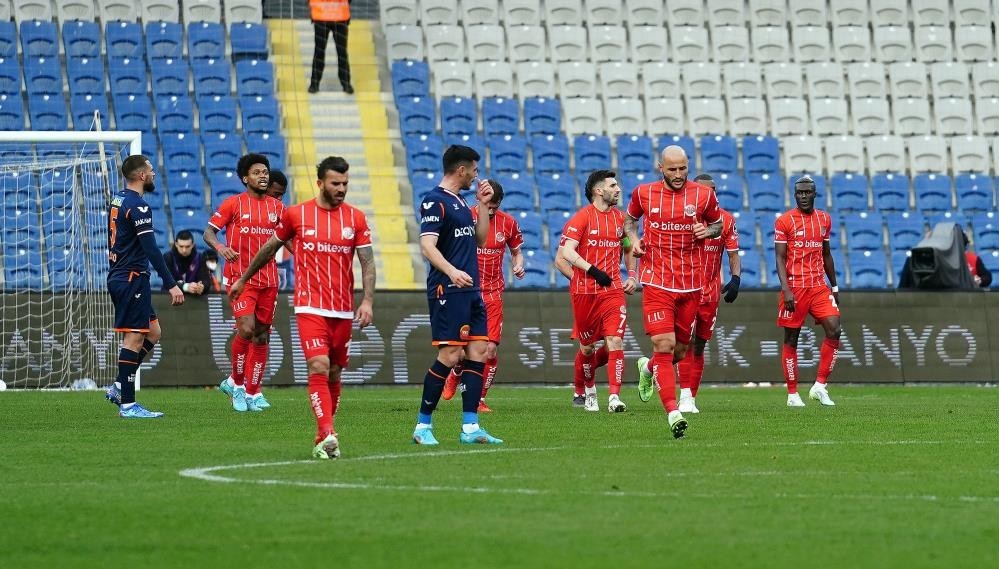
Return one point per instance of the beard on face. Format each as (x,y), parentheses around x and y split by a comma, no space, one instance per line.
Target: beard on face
(148,187)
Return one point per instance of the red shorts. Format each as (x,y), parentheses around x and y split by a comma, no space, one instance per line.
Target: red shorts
(494,319)
(670,312)
(260,302)
(597,316)
(817,301)
(324,336)
(704,321)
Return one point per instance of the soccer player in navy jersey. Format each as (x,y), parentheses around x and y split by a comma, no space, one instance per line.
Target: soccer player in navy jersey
(131,247)
(449,238)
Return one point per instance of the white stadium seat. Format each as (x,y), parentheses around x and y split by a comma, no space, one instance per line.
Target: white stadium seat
(521,12)
(686,13)
(444,12)
(726,13)
(606,12)
(486,42)
(788,117)
(971,12)
(527,43)
(248,11)
(608,43)
(624,116)
(933,43)
(493,79)
(885,154)
(803,154)
(770,43)
(950,79)
(479,12)
(892,44)
(398,12)
(908,80)
(567,43)
(707,116)
(969,154)
(116,10)
(563,13)
(445,43)
(689,43)
(927,154)
(743,79)
(849,13)
(730,43)
(665,116)
(648,43)
(157,11)
(886,13)
(583,116)
(911,117)
(661,80)
(866,79)
(987,115)
(985,79)
(404,42)
(536,79)
(701,79)
(808,13)
(995,154)
(931,13)
(783,79)
(811,43)
(577,79)
(452,79)
(768,12)
(33,10)
(825,79)
(644,12)
(852,43)
(953,116)
(747,116)
(829,117)
(619,79)
(845,154)
(870,116)
(84,10)
(975,43)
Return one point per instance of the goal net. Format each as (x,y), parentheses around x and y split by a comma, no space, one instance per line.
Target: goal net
(57,315)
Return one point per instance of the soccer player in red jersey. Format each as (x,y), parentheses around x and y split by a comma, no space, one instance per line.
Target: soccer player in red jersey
(504,233)
(248,220)
(677,214)
(804,260)
(691,367)
(326,233)
(591,243)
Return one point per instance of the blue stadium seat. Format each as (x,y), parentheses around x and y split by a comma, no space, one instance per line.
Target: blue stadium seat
(164,40)
(212,77)
(42,76)
(765,221)
(897,260)
(174,114)
(171,77)
(683,141)
(731,190)
(500,116)
(530,226)
(986,230)
(56,181)
(864,231)
(224,186)
(537,266)
(628,184)
(751,261)
(542,116)
(254,77)
(39,39)
(81,39)
(849,191)
(948,216)
(15,188)
(867,269)
(21,152)
(260,114)
(417,116)
(410,79)
(132,112)
(222,151)
(507,154)
(473,141)
(745,225)
(905,229)
(48,112)
(423,152)
(217,114)
(766,192)
(271,145)
(193,220)
(11,112)
(124,40)
(760,155)
(518,191)
(557,191)
(634,153)
(10,76)
(719,154)
(181,153)
(991,260)
(86,76)
(83,106)
(975,192)
(205,40)
(127,76)
(151,147)
(8,40)
(891,191)
(248,41)
(186,183)
(592,153)
(23,271)
(550,152)
(459,115)
(933,192)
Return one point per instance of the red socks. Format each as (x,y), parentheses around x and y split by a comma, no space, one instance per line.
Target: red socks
(256,363)
(240,349)
(827,359)
(584,371)
(691,371)
(490,375)
(615,371)
(789,362)
(662,374)
(322,401)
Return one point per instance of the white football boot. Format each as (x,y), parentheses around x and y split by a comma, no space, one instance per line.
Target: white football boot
(820,394)
(615,405)
(794,400)
(687,405)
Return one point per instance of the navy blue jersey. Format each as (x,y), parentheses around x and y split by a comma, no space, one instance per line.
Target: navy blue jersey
(130,217)
(447,216)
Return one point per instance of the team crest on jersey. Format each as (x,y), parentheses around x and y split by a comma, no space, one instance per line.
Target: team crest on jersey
(620,232)
(464,331)
(347,232)
(428,205)
(689,210)
(272,217)
(800,233)
(500,237)
(310,232)
(823,231)
(455,206)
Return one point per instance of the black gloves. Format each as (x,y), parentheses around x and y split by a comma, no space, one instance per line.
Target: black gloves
(731,290)
(602,278)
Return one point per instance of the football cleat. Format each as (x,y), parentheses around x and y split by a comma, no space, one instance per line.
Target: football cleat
(615,405)
(645,389)
(450,387)
(480,437)
(820,394)
(424,436)
(224,387)
(239,399)
(677,424)
(483,408)
(328,448)
(578,400)
(261,402)
(687,405)
(113,394)
(137,411)
(794,400)
(251,403)
(590,403)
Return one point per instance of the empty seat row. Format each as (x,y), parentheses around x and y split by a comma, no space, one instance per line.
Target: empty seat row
(148,10)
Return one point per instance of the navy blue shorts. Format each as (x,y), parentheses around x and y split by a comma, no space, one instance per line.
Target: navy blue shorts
(457,319)
(133,302)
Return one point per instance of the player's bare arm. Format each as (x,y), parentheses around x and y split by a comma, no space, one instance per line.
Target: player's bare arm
(562,265)
(568,250)
(631,230)
(428,247)
(709,231)
(263,256)
(517,263)
(631,262)
(829,264)
(484,194)
(780,250)
(212,240)
(365,313)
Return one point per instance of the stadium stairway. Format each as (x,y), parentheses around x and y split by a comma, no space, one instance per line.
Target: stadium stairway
(355,127)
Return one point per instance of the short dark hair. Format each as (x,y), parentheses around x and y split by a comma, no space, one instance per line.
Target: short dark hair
(133,164)
(278,177)
(595,178)
(497,191)
(805,180)
(243,166)
(183,235)
(456,155)
(704,178)
(335,163)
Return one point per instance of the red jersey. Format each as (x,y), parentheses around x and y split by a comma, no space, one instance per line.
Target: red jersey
(503,232)
(325,240)
(599,236)
(673,259)
(804,235)
(713,253)
(248,224)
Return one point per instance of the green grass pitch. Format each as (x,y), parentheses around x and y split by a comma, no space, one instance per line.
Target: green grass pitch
(891,477)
